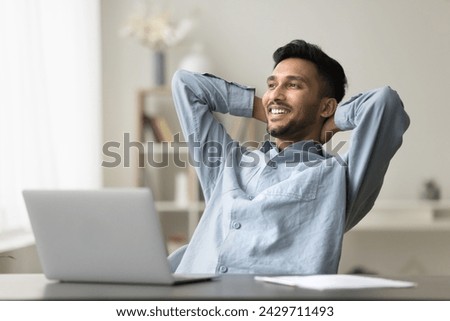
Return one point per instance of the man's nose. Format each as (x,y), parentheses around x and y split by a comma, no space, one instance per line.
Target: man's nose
(277,94)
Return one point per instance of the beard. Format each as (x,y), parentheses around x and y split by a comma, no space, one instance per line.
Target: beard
(298,125)
(277,132)
(286,130)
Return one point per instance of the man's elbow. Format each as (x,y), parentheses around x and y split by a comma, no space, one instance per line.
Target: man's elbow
(393,106)
(181,76)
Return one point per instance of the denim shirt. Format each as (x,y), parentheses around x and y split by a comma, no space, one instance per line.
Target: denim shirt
(279,212)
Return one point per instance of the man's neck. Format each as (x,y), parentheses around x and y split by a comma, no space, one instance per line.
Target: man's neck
(283,143)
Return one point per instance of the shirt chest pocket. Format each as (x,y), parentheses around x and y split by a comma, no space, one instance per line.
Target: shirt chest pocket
(301,185)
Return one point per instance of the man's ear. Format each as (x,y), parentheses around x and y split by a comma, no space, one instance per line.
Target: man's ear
(328,107)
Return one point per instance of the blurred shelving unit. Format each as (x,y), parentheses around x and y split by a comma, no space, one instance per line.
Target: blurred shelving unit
(164,166)
(407,215)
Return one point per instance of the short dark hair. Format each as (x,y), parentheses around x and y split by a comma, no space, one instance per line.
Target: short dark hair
(332,73)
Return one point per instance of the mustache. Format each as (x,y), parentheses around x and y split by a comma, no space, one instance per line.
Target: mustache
(275,105)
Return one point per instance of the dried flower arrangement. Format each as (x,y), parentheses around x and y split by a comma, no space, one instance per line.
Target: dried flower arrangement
(156,31)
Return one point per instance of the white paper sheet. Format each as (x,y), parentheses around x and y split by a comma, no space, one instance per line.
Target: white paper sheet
(336,281)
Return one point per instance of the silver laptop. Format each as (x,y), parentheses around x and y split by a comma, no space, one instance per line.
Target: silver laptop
(108,235)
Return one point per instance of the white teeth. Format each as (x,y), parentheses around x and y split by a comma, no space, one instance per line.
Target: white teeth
(278,111)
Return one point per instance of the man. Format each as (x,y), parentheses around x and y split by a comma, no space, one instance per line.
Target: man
(283,209)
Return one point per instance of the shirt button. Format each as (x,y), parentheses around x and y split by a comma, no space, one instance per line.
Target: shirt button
(223,269)
(236,225)
(250,197)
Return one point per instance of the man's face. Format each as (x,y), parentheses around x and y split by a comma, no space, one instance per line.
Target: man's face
(292,101)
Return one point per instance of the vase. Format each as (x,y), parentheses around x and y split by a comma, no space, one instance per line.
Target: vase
(196,60)
(159,68)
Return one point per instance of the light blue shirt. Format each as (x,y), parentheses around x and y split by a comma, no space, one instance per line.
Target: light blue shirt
(279,212)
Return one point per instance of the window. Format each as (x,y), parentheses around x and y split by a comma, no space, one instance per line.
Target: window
(49,101)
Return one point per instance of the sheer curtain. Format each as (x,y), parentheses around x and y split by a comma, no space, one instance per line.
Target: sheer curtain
(49,101)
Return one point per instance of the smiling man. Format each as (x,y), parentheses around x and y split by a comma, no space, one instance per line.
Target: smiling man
(296,83)
(283,209)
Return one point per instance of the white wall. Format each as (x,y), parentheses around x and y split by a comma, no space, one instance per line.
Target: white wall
(403,43)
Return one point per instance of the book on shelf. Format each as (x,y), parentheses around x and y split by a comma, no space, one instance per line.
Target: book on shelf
(159,128)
